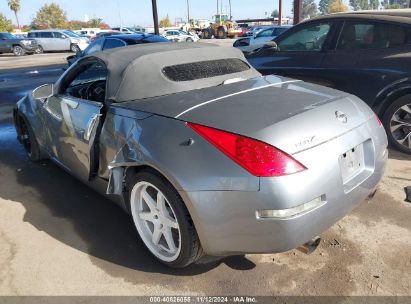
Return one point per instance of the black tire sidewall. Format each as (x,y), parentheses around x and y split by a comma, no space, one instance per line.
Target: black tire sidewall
(34,154)
(188,252)
(392,108)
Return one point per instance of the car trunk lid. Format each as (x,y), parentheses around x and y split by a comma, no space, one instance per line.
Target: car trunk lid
(293,116)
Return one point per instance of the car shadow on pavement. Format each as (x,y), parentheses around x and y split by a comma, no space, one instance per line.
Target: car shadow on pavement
(69,211)
(394,154)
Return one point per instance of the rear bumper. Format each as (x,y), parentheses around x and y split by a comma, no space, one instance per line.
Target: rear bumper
(227,223)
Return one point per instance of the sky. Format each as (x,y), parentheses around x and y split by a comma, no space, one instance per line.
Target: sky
(138,12)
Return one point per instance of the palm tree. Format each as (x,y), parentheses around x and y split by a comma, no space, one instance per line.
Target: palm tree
(15,7)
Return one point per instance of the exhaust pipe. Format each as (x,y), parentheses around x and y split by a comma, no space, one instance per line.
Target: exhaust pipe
(310,246)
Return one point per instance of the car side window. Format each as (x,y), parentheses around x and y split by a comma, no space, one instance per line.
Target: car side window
(45,35)
(366,35)
(89,83)
(94,47)
(279,30)
(265,33)
(58,35)
(310,38)
(112,43)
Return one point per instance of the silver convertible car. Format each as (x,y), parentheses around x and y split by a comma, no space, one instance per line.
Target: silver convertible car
(206,155)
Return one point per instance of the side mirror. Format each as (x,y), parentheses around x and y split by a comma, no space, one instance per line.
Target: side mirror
(43,92)
(272,45)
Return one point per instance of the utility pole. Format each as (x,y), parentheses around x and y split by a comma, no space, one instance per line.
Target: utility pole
(280,14)
(119,15)
(229,3)
(218,2)
(297,11)
(188,11)
(155,17)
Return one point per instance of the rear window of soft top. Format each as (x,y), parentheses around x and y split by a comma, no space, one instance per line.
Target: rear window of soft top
(204,69)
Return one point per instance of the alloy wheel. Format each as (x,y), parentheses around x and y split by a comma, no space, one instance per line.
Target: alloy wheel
(156,221)
(400,126)
(18,51)
(39,50)
(75,48)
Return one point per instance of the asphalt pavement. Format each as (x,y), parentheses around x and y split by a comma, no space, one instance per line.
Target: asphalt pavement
(58,237)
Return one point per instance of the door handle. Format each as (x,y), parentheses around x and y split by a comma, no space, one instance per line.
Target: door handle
(90,126)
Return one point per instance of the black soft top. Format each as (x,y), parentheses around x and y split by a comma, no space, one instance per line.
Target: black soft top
(140,71)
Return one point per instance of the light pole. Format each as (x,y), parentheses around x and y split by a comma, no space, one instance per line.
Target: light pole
(155,17)
(297,11)
(280,15)
(188,11)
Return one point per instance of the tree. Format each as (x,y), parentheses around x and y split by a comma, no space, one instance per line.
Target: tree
(323,6)
(15,7)
(364,4)
(50,16)
(76,24)
(165,22)
(275,13)
(391,4)
(309,9)
(374,4)
(5,24)
(95,22)
(337,7)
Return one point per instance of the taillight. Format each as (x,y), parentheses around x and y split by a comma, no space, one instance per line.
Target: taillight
(257,157)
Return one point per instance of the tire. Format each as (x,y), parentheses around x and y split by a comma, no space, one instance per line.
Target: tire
(221,33)
(169,219)
(189,39)
(206,34)
(75,48)
(29,141)
(399,134)
(39,50)
(18,51)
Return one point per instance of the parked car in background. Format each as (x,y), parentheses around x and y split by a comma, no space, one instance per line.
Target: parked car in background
(58,40)
(18,46)
(115,41)
(267,34)
(244,29)
(126,30)
(262,36)
(20,34)
(180,36)
(88,32)
(206,155)
(367,54)
(105,34)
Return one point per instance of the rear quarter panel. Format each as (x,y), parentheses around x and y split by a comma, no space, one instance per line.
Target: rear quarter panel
(162,143)
(32,111)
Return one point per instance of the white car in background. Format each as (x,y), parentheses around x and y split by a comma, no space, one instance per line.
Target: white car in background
(180,36)
(58,40)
